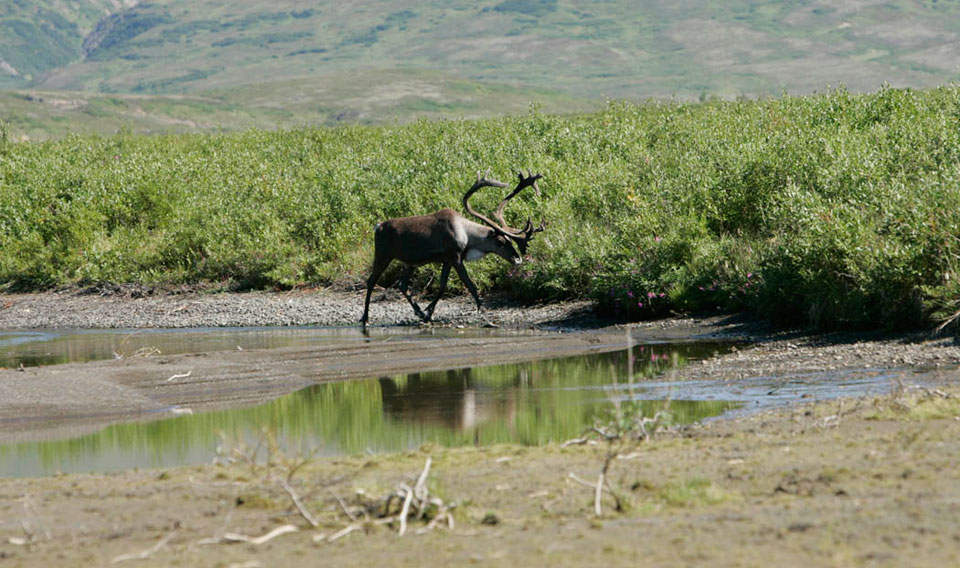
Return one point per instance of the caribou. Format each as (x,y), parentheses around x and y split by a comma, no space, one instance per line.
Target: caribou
(450,238)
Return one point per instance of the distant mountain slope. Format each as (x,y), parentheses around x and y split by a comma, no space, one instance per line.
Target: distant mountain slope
(615,48)
(241,52)
(356,97)
(40,35)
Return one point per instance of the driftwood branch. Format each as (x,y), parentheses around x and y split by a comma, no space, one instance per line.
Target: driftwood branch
(412,503)
(406,508)
(297,502)
(180,375)
(343,506)
(236,537)
(146,553)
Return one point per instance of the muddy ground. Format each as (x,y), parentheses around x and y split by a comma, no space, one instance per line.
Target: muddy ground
(860,483)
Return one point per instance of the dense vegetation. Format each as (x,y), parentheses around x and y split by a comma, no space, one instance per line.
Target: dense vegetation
(835,209)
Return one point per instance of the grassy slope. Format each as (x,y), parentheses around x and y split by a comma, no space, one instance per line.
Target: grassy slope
(369,97)
(835,209)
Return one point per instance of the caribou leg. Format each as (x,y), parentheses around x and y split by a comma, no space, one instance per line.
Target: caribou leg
(444,276)
(379,265)
(462,273)
(404,283)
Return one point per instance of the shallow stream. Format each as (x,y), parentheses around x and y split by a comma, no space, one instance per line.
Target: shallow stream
(526,403)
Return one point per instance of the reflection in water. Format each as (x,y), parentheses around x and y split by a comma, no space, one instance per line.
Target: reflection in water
(527,403)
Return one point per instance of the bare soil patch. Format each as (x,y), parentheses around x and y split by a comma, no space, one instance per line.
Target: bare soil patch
(873,486)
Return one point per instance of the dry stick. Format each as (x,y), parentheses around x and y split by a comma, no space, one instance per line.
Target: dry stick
(598,489)
(146,553)
(420,489)
(596,496)
(423,475)
(343,505)
(180,376)
(236,537)
(296,501)
(581,480)
(406,508)
(344,532)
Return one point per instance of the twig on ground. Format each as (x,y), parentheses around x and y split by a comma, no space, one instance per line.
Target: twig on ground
(406,508)
(598,493)
(344,532)
(598,488)
(146,553)
(180,376)
(584,441)
(414,503)
(297,502)
(343,505)
(237,537)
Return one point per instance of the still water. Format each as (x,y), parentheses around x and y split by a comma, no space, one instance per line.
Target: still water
(526,403)
(51,347)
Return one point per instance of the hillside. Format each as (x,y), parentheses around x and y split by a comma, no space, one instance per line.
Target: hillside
(361,97)
(554,49)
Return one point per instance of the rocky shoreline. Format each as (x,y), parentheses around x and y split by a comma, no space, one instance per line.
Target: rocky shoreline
(89,309)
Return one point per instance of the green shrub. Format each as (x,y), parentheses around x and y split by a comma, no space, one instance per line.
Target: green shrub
(836,209)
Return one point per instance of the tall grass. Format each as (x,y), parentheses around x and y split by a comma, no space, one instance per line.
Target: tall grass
(836,209)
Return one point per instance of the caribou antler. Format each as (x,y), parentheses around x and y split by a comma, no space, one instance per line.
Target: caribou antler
(482,181)
(520,236)
(529,181)
(525,235)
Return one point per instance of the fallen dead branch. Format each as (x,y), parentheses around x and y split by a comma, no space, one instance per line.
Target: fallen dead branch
(297,502)
(146,553)
(180,376)
(230,538)
(237,537)
(583,441)
(398,508)
(599,487)
(344,532)
(343,505)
